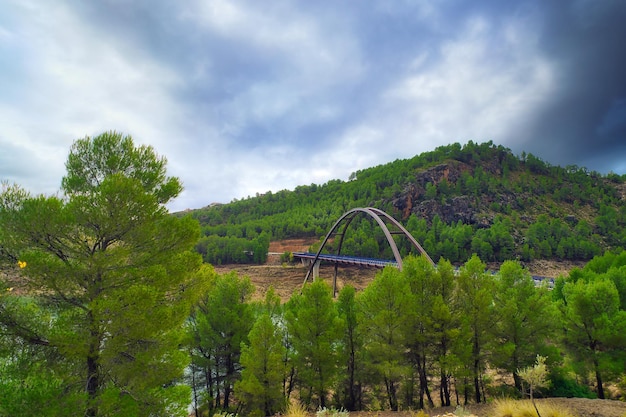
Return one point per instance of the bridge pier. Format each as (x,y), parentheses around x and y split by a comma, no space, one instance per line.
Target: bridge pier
(316,270)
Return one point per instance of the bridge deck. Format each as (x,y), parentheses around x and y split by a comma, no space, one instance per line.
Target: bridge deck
(348,260)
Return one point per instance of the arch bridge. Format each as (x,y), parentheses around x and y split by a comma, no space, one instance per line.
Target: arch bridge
(339,230)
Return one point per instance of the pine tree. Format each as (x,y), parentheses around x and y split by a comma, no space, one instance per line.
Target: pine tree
(384,307)
(475,302)
(527,319)
(111,272)
(260,389)
(219,325)
(315,328)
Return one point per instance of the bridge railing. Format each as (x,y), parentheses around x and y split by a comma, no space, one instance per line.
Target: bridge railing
(349,260)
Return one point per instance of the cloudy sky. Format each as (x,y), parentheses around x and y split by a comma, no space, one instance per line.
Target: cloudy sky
(246,96)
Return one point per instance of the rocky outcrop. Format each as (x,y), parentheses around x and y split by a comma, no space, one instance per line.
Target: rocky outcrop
(458,208)
(415,192)
(469,209)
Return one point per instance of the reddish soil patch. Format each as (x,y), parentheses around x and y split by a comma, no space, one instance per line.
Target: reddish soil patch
(291,245)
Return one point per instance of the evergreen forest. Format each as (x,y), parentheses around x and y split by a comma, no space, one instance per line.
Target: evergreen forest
(456,201)
(111,306)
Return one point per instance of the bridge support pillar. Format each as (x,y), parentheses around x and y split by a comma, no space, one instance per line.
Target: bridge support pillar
(316,270)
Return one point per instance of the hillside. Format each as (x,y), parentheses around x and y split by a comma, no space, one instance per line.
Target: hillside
(456,201)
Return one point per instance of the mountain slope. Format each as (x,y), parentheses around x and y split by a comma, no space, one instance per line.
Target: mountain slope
(456,200)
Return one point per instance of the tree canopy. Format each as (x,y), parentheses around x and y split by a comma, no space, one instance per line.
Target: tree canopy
(110,275)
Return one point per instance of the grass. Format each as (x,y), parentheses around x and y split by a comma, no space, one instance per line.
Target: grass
(525,408)
(295,409)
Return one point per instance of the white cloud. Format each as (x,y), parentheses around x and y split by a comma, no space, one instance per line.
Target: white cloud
(80,83)
(474,91)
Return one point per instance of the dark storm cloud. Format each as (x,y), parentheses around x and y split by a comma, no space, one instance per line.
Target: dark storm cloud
(585,121)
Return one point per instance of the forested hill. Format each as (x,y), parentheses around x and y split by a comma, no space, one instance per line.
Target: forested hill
(456,200)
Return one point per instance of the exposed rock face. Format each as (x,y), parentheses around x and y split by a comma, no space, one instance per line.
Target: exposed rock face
(458,208)
(414,193)
(469,209)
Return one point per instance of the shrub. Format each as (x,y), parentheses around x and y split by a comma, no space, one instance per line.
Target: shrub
(331,412)
(286,258)
(564,386)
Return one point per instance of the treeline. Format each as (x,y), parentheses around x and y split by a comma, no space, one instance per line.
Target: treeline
(544,239)
(412,339)
(218,250)
(521,208)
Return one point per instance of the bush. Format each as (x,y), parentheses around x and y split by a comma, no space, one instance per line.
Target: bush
(331,412)
(564,386)
(286,257)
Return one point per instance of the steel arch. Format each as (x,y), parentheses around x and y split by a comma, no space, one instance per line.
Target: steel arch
(378,216)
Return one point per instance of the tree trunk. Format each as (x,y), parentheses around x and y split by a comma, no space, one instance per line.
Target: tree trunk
(444,389)
(477,395)
(518,382)
(195,390)
(208,381)
(465,391)
(321,392)
(93,369)
(93,385)
(351,403)
(424,382)
(230,375)
(391,394)
(596,366)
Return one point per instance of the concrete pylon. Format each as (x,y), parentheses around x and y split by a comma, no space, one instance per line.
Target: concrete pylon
(316,270)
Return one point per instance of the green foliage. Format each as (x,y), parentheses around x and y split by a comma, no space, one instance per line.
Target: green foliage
(112,275)
(233,250)
(260,387)
(475,302)
(384,317)
(528,319)
(286,257)
(391,344)
(562,385)
(425,287)
(30,384)
(536,375)
(351,354)
(595,326)
(218,328)
(315,329)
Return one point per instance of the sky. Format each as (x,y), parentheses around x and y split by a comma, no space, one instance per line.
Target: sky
(247,96)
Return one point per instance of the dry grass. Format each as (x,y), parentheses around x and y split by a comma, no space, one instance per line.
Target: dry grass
(525,408)
(295,409)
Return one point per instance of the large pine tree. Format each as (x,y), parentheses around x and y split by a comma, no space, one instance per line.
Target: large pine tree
(111,277)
